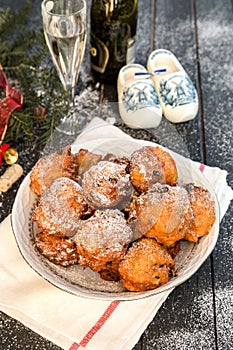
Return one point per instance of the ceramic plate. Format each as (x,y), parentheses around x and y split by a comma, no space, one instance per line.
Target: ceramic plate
(83,281)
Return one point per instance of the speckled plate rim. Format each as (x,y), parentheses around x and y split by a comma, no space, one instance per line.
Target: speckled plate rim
(25,199)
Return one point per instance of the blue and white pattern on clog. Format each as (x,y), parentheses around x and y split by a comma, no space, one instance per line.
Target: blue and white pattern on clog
(140,95)
(177,90)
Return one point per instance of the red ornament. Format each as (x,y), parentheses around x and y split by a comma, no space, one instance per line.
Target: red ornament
(3,149)
(11,102)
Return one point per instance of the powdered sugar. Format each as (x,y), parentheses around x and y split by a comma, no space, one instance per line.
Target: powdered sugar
(224,305)
(105,235)
(193,330)
(146,161)
(61,207)
(46,170)
(106,184)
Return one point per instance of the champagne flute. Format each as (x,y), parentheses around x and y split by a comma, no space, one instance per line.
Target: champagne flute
(64,23)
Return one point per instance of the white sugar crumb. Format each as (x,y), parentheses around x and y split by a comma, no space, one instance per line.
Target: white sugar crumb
(87,103)
(224,305)
(181,336)
(217,33)
(183,340)
(106,184)
(217,74)
(197,335)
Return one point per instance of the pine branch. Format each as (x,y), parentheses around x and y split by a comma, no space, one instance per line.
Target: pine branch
(28,67)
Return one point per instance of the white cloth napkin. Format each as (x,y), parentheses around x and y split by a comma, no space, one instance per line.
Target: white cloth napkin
(74,322)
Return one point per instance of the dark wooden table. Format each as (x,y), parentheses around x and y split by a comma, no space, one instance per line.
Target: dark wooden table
(199,313)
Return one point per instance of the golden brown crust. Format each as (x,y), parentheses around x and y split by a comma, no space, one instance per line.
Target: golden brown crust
(152,211)
(61,208)
(44,172)
(162,213)
(118,160)
(85,160)
(102,238)
(70,167)
(96,265)
(174,249)
(146,265)
(51,167)
(149,165)
(106,185)
(56,249)
(203,210)
(110,271)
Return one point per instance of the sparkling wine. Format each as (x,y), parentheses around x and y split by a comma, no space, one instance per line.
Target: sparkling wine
(64,24)
(67,54)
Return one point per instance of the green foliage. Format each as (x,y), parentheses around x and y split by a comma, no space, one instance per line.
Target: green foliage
(27,64)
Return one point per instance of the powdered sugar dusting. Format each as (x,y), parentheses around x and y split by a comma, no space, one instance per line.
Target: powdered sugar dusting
(61,207)
(190,334)
(215,37)
(104,234)
(193,331)
(45,171)
(106,184)
(224,305)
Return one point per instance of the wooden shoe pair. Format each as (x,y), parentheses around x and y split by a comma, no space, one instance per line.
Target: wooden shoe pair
(172,93)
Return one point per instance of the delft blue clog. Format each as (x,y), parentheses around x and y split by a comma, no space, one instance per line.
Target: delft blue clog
(177,94)
(138,101)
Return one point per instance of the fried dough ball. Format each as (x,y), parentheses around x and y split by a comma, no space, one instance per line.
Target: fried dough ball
(86,160)
(110,272)
(147,265)
(106,185)
(149,165)
(94,264)
(44,172)
(174,249)
(162,213)
(102,238)
(56,249)
(61,208)
(203,212)
(70,167)
(115,159)
(75,165)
